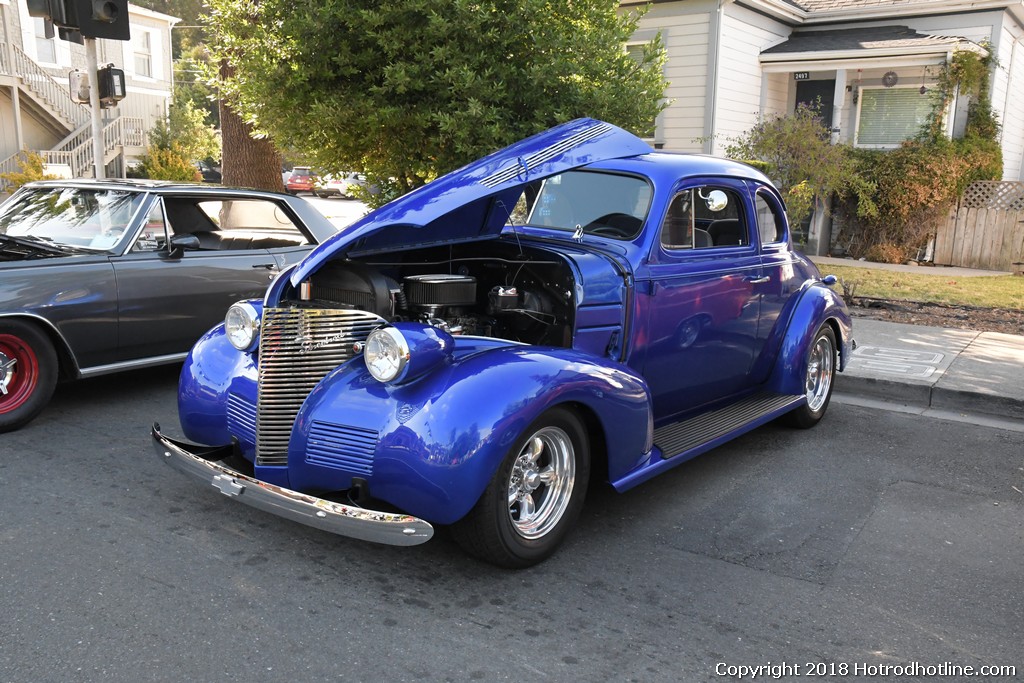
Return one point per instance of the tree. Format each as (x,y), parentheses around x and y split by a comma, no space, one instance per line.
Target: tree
(186,127)
(407,90)
(194,79)
(802,162)
(248,160)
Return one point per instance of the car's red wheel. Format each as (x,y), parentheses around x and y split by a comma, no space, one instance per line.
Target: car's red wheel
(28,373)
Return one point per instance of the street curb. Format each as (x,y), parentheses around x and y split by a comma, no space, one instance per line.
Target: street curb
(928,396)
(974,402)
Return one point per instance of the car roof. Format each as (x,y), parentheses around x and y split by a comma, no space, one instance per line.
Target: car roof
(662,166)
(314,220)
(154,186)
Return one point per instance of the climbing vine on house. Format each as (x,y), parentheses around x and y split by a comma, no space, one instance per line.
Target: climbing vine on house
(916,184)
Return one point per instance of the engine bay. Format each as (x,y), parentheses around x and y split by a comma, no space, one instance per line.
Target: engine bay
(490,289)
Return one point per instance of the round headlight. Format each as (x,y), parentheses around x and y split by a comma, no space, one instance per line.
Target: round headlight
(241,325)
(386,354)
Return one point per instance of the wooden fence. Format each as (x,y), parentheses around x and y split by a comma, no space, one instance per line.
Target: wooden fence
(986,229)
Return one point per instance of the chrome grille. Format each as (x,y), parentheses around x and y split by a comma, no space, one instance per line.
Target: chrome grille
(298,347)
(342,447)
(242,418)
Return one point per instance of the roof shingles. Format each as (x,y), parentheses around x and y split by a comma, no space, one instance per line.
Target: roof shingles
(868,38)
(831,5)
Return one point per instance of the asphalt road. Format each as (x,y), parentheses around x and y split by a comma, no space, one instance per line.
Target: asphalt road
(877,538)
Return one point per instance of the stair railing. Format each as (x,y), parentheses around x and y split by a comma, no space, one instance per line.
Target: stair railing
(47,89)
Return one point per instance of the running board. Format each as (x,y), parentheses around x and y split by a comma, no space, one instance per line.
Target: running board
(678,442)
(676,439)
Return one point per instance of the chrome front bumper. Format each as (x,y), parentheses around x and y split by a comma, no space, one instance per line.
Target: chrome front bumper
(200,462)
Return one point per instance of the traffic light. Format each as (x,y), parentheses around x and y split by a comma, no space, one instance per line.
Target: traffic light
(38,8)
(99,18)
(55,11)
(111,82)
(87,18)
(78,82)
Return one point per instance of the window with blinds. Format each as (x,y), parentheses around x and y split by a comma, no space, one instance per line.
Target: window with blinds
(889,116)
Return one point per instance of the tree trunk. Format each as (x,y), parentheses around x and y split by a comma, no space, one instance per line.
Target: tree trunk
(246,161)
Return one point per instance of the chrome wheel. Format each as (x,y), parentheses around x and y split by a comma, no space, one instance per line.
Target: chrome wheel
(534,497)
(540,483)
(820,371)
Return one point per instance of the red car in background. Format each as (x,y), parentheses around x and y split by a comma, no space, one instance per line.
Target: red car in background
(302,179)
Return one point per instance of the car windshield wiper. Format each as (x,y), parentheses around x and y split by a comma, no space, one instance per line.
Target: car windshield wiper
(44,244)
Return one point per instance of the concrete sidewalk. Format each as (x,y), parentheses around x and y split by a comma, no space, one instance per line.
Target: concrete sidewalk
(823,262)
(931,368)
(934,368)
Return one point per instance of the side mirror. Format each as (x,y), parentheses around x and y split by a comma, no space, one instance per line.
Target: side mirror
(716,200)
(179,244)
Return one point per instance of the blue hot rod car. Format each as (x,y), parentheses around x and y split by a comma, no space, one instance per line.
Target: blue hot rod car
(575,305)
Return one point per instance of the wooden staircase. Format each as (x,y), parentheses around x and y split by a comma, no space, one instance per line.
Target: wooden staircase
(48,99)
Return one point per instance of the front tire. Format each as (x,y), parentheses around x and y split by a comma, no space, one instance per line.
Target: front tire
(819,377)
(28,373)
(535,497)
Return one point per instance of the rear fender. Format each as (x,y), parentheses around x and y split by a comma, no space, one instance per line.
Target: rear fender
(817,305)
(432,445)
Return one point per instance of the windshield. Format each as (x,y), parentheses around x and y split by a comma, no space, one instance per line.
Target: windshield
(82,218)
(604,204)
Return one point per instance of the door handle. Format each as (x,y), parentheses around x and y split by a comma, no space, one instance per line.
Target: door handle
(268,266)
(759,280)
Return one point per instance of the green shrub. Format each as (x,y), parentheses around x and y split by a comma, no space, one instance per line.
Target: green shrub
(171,163)
(794,151)
(31,166)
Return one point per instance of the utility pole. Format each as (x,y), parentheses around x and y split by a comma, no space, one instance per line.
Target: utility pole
(98,148)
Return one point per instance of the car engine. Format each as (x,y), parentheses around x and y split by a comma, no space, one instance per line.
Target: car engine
(523,296)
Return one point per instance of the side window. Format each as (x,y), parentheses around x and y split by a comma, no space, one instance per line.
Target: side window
(154,232)
(704,217)
(677,230)
(770,224)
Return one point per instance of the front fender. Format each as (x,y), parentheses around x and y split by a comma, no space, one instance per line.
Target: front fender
(818,304)
(213,370)
(431,446)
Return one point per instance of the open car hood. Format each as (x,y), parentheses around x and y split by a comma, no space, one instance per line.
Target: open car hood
(476,200)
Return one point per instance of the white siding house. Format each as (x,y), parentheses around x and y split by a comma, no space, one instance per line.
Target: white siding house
(36,110)
(732,60)
(870,64)
(748,92)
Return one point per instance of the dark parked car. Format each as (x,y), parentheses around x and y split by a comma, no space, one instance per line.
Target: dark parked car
(472,354)
(97,277)
(210,172)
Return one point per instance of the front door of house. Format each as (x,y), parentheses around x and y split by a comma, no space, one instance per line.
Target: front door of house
(817,94)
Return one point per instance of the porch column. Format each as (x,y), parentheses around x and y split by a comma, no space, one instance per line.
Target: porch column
(15,81)
(838,106)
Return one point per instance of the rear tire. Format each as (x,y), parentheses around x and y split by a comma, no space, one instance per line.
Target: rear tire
(28,373)
(534,498)
(819,378)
